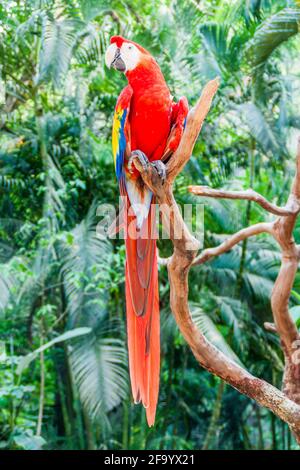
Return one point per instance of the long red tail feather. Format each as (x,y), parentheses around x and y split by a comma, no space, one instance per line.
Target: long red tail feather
(142,311)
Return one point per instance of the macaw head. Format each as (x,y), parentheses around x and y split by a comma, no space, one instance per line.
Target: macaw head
(124,55)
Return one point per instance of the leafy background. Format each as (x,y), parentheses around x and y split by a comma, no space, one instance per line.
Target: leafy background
(63,360)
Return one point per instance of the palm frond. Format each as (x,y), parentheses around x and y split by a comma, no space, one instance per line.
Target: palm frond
(214,39)
(258,286)
(259,128)
(99,366)
(26,360)
(273,32)
(7,182)
(233,312)
(30,24)
(6,284)
(97,360)
(34,274)
(91,47)
(208,328)
(58,41)
(169,329)
(86,261)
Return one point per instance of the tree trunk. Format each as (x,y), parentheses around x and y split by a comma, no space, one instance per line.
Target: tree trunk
(213,425)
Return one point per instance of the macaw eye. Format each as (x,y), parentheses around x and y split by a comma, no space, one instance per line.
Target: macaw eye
(130,47)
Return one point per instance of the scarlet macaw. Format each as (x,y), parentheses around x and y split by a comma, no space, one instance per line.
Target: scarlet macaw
(147,124)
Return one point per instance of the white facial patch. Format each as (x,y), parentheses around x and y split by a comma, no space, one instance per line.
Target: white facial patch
(130,55)
(110,54)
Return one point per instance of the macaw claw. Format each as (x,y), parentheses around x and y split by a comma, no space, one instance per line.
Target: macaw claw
(159,166)
(161,169)
(141,157)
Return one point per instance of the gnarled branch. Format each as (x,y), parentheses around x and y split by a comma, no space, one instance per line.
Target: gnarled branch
(248,195)
(285,404)
(233,240)
(194,123)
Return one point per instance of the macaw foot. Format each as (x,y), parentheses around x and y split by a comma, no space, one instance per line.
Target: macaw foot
(161,169)
(159,166)
(141,158)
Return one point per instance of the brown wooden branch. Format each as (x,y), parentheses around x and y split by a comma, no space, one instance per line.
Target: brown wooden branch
(285,326)
(248,195)
(284,404)
(233,240)
(194,123)
(270,327)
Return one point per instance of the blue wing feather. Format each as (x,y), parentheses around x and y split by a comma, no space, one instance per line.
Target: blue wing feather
(120,134)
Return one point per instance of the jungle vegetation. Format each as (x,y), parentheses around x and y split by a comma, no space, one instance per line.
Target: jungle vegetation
(63,359)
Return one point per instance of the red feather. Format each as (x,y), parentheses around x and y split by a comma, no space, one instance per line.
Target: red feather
(152,116)
(142,306)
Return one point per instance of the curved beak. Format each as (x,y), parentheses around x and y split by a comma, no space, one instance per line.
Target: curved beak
(118,63)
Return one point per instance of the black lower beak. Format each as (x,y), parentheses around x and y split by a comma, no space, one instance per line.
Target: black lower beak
(118,63)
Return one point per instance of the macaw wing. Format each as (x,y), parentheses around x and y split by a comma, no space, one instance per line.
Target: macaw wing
(121,130)
(179,114)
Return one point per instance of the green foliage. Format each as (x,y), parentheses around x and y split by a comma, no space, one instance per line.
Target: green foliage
(272,33)
(208,328)
(26,360)
(99,372)
(57,42)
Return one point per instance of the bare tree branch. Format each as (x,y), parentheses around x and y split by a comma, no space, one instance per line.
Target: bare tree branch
(285,404)
(233,240)
(248,195)
(283,233)
(270,327)
(194,123)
